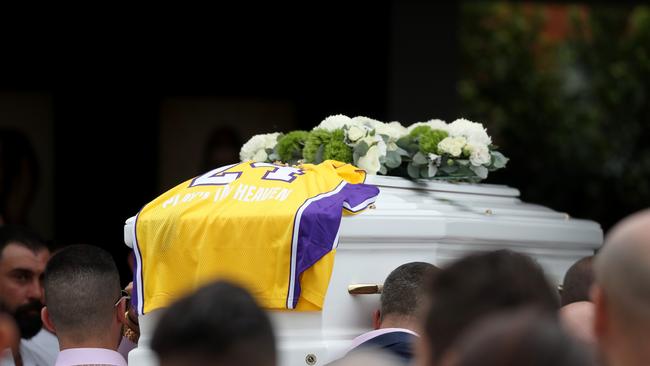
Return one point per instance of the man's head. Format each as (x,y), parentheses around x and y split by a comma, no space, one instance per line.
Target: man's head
(577,281)
(622,289)
(514,338)
(476,286)
(82,297)
(577,318)
(403,294)
(220,324)
(23,256)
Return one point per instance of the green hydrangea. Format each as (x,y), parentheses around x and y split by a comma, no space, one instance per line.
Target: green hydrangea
(290,146)
(315,140)
(337,149)
(322,145)
(428,139)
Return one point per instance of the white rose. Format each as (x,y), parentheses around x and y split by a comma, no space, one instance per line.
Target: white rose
(335,122)
(381,145)
(452,145)
(479,154)
(251,149)
(370,161)
(376,140)
(393,130)
(355,133)
(474,132)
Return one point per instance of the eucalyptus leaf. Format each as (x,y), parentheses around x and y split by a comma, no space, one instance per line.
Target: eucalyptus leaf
(401,151)
(414,171)
(361,149)
(464,171)
(393,159)
(432,170)
(408,144)
(480,171)
(420,159)
(498,160)
(449,169)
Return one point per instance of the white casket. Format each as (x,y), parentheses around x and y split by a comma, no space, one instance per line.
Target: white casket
(433,222)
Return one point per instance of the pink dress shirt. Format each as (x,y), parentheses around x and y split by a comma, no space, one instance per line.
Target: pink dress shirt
(89,356)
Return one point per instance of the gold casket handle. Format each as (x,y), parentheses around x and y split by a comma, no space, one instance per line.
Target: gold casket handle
(365,289)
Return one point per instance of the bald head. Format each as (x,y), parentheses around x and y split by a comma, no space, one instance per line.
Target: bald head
(622,268)
(577,319)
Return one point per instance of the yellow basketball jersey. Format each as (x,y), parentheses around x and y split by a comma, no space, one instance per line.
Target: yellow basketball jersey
(270,228)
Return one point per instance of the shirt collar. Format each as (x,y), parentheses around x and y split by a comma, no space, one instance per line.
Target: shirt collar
(92,356)
(376,333)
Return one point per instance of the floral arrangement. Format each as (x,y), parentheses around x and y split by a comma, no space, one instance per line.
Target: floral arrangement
(459,151)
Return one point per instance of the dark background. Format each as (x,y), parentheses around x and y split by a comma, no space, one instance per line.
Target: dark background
(103,77)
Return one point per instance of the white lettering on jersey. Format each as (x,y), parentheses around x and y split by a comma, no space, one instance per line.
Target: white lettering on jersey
(282,173)
(216,177)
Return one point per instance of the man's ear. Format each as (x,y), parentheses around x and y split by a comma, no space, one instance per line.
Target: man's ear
(376,319)
(600,311)
(121,311)
(47,321)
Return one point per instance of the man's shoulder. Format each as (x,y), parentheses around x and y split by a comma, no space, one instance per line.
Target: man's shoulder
(391,337)
(397,341)
(41,349)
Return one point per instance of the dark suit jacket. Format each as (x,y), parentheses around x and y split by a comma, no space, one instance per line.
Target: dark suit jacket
(398,343)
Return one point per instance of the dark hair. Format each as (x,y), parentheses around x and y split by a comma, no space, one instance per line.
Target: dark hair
(219,324)
(478,285)
(81,285)
(577,281)
(21,236)
(404,288)
(525,337)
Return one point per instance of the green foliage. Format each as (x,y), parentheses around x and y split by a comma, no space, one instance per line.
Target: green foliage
(315,141)
(420,159)
(427,139)
(393,159)
(290,146)
(337,149)
(570,110)
(323,145)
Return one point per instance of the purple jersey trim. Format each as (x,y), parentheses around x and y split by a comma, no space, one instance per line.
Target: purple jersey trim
(316,228)
(359,197)
(305,250)
(137,296)
(134,290)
